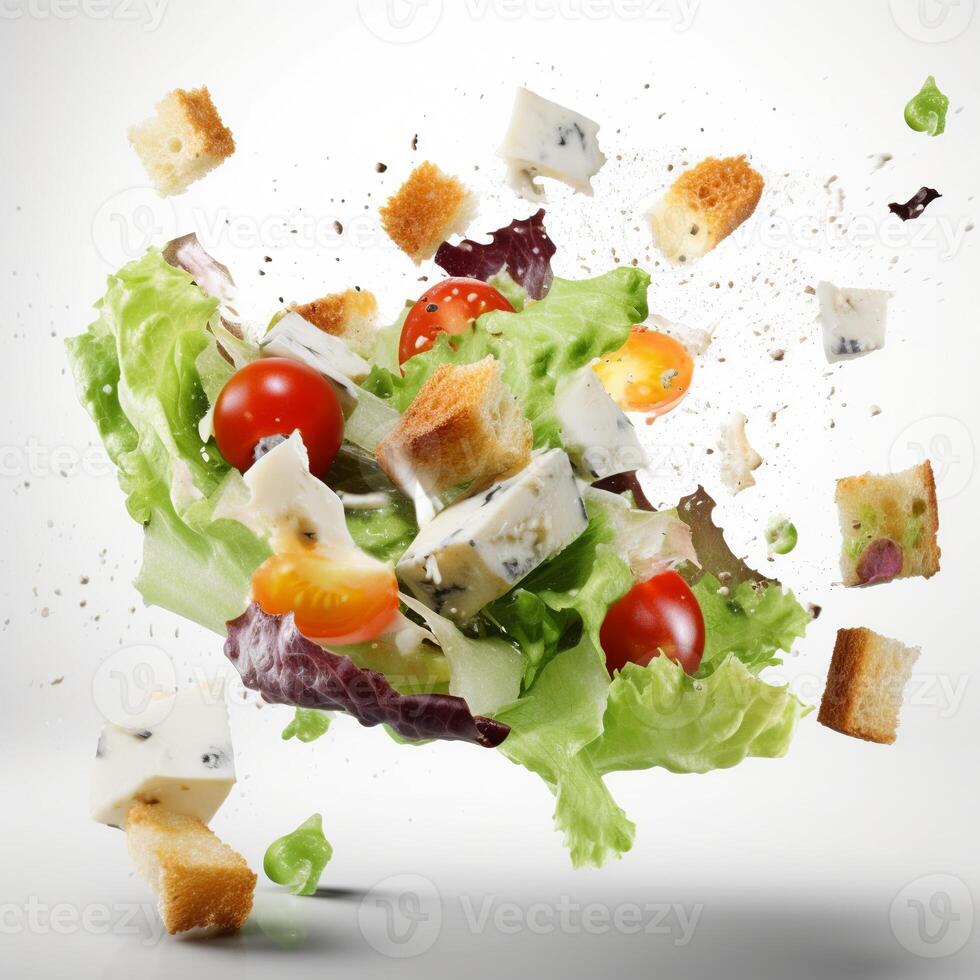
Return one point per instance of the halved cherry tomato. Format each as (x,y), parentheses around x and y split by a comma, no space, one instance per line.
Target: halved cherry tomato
(651,372)
(274,396)
(332,599)
(658,616)
(450,306)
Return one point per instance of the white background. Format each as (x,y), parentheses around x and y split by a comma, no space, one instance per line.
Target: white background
(793,866)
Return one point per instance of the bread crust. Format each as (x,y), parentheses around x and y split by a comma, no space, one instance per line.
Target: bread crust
(704,206)
(850,676)
(726,191)
(200,882)
(887,494)
(183,142)
(428,208)
(463,427)
(349,314)
(202,115)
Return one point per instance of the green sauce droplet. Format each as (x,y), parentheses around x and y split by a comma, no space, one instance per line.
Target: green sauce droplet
(298,859)
(781,536)
(926,112)
(308,725)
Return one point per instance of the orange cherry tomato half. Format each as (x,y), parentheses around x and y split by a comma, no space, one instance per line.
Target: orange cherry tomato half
(332,600)
(450,306)
(274,396)
(651,372)
(658,616)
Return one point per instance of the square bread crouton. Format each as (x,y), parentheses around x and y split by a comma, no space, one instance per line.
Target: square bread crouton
(703,206)
(185,140)
(463,427)
(428,208)
(889,525)
(351,315)
(200,881)
(867,676)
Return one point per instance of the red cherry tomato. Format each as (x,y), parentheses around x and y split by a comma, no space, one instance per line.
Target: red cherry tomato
(659,615)
(274,396)
(450,306)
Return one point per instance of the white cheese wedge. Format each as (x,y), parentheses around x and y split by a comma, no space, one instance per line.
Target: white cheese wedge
(598,437)
(181,756)
(546,139)
(299,340)
(853,320)
(286,499)
(476,550)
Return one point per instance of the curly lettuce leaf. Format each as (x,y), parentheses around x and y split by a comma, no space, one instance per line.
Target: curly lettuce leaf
(285,667)
(575,323)
(550,728)
(752,621)
(660,716)
(138,373)
(522,250)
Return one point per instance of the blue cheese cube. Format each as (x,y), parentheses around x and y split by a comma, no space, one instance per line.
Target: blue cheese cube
(598,437)
(299,340)
(176,752)
(546,139)
(853,320)
(475,551)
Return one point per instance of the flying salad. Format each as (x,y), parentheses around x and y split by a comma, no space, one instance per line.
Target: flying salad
(442,532)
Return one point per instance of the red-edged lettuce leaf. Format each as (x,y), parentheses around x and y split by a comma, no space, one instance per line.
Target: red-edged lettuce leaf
(523,249)
(625,482)
(285,667)
(714,555)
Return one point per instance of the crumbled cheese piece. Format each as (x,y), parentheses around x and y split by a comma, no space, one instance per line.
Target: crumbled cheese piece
(546,139)
(738,458)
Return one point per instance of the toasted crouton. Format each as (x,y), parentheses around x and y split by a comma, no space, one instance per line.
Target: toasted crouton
(867,676)
(428,208)
(200,881)
(703,206)
(351,315)
(889,525)
(185,140)
(464,427)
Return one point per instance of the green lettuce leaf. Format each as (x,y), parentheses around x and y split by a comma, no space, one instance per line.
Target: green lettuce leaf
(383,532)
(138,373)
(565,596)
(485,672)
(550,729)
(754,621)
(660,716)
(575,323)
